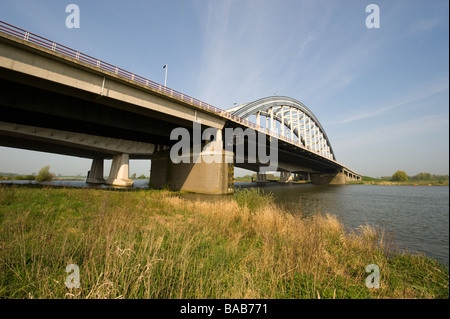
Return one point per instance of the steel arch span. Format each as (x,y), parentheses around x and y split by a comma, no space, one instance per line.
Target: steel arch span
(295,121)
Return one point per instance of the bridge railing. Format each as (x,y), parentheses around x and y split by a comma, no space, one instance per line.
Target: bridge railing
(105,66)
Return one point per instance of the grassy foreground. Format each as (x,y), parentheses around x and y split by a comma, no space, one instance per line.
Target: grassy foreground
(153,244)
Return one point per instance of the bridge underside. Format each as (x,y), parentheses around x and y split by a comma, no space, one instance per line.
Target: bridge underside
(53,103)
(71,123)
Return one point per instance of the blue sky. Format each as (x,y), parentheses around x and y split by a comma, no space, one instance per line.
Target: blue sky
(382,95)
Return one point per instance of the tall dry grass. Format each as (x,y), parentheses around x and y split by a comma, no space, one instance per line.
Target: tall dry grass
(158,245)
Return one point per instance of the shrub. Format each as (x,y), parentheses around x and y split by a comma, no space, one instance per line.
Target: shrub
(400,176)
(252,198)
(44,174)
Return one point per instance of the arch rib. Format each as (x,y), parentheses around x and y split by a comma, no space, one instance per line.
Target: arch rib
(311,133)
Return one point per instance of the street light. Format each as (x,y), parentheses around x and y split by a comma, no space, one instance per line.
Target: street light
(165,79)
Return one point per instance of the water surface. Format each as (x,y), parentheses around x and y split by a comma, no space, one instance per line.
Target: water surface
(417,217)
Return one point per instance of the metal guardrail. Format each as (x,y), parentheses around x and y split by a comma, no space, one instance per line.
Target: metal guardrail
(69,52)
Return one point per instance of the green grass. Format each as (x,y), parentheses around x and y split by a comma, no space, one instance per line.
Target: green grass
(252,198)
(153,244)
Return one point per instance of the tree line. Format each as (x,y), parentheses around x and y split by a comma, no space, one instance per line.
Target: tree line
(44,175)
(402,176)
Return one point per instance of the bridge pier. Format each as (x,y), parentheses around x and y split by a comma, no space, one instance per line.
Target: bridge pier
(285,177)
(261,178)
(200,177)
(95,175)
(329,178)
(119,173)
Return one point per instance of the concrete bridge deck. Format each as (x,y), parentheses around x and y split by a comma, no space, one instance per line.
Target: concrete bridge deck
(56,99)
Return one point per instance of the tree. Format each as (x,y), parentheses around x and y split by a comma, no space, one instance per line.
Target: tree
(400,176)
(423,176)
(44,174)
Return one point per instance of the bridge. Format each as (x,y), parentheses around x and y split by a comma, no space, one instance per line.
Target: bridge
(56,99)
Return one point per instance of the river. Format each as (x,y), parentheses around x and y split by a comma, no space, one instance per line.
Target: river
(416,217)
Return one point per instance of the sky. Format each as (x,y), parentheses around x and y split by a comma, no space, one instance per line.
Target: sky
(381,94)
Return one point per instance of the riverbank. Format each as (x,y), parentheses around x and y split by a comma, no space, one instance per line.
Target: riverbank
(154,244)
(405,183)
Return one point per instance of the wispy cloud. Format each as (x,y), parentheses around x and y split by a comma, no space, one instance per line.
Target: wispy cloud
(424,25)
(408,98)
(393,134)
(250,52)
(242,48)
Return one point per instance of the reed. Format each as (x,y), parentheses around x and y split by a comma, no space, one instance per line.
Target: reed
(154,244)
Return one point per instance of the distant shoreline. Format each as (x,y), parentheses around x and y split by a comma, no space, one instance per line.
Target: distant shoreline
(408,183)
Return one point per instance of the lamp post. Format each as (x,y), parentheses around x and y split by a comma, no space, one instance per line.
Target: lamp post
(165,79)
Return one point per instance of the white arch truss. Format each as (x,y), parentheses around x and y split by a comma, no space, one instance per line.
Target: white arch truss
(289,118)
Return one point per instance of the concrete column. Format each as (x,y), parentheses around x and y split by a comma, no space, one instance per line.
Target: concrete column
(119,173)
(338,178)
(215,177)
(95,175)
(261,178)
(285,177)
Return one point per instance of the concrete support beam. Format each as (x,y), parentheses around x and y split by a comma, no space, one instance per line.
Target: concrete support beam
(119,173)
(201,177)
(88,142)
(95,175)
